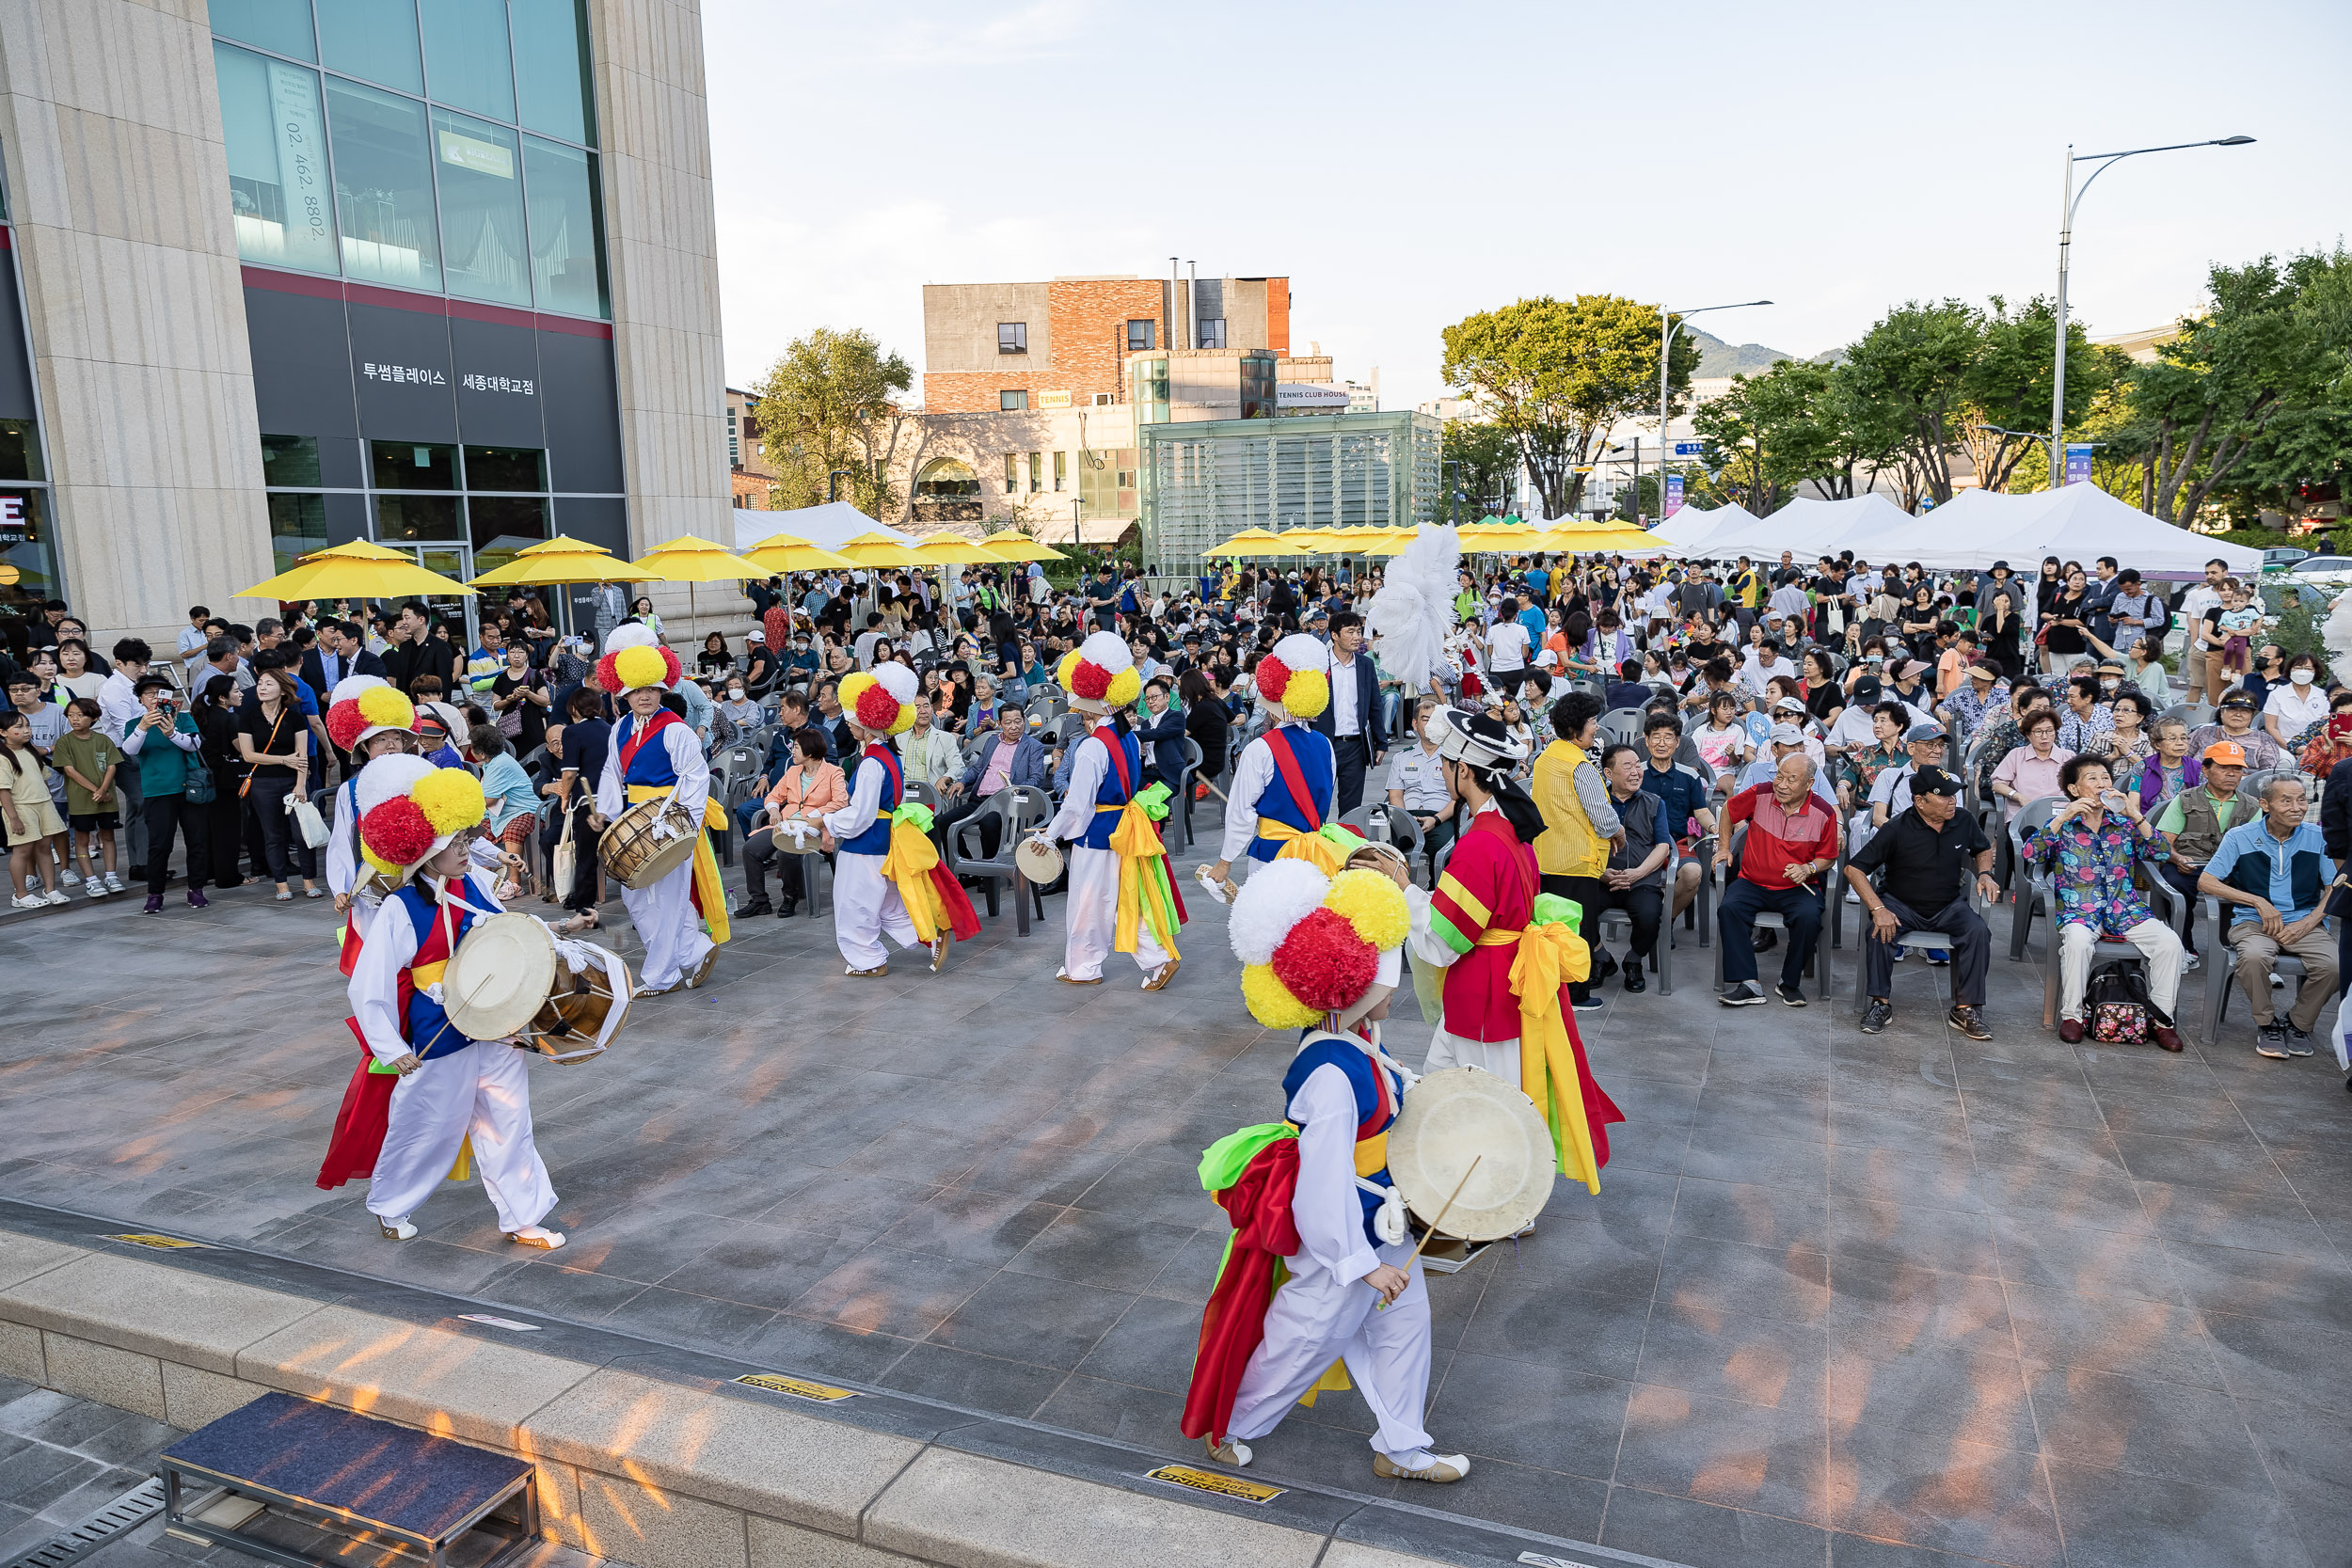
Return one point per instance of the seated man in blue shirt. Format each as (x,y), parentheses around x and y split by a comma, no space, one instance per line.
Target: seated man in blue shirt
(2272,875)
(1011,756)
(1682,804)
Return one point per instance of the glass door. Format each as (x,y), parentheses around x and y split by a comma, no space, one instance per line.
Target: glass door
(454,562)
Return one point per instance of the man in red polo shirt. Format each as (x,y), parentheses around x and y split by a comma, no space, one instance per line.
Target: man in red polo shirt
(1791,845)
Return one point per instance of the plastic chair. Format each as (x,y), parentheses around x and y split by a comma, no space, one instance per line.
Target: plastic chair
(2026,890)
(1622,724)
(1922,941)
(1024,808)
(1184,784)
(1403,833)
(2220,970)
(1770,920)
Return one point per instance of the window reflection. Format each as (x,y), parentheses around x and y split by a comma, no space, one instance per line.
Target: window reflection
(566,228)
(383,186)
(276,143)
(481,208)
(404,466)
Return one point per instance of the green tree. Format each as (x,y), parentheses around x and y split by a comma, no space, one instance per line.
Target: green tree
(826,405)
(1556,374)
(2006,387)
(1913,365)
(1768,436)
(1488,462)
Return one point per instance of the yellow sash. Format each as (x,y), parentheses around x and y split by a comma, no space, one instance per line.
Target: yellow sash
(711,893)
(1317,850)
(907,865)
(1134,840)
(1548,956)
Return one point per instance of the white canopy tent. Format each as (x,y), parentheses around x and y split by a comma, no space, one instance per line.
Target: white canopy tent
(2077,522)
(1809,528)
(833,523)
(1690,528)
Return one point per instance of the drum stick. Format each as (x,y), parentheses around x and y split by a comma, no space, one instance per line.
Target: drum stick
(1439,1221)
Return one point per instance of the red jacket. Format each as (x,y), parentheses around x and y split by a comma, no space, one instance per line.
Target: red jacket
(1776,839)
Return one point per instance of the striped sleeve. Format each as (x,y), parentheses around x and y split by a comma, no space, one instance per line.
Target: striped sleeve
(1457,912)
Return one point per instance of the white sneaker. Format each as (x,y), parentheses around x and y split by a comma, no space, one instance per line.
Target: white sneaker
(94,888)
(29,901)
(2189,961)
(395,1230)
(114,883)
(70,876)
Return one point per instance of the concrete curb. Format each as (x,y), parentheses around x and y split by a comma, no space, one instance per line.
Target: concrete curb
(656,1472)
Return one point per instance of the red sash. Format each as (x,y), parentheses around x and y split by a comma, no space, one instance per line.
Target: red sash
(1286,764)
(897,778)
(1109,737)
(640,735)
(367,1107)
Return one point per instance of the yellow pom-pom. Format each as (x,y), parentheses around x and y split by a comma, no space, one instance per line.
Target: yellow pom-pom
(1126,689)
(852,685)
(1373,904)
(1306,693)
(385,704)
(905,721)
(640,666)
(1270,1002)
(1066,668)
(378,862)
(451,798)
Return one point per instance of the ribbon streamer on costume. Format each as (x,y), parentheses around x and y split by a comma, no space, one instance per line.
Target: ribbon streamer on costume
(1326,849)
(935,900)
(1144,891)
(1551,955)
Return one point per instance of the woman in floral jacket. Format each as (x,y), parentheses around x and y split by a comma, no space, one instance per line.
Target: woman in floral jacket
(2088,848)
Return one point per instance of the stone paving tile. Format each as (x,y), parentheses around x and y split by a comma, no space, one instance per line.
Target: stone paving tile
(1902,1301)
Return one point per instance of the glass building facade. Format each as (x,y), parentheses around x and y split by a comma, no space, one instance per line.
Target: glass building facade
(28,552)
(1206,481)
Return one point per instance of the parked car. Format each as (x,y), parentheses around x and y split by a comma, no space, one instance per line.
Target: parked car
(2331,571)
(2278,559)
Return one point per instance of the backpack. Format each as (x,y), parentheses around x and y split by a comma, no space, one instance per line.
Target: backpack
(2117,1002)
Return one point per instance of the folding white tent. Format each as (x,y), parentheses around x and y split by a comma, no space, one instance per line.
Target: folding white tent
(2077,522)
(1809,528)
(1690,528)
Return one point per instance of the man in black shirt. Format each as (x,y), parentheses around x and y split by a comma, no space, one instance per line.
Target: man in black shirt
(1634,880)
(1920,854)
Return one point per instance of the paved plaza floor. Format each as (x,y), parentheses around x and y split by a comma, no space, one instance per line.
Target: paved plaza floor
(1897,1300)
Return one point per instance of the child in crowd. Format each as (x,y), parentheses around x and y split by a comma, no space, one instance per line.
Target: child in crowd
(88,758)
(30,816)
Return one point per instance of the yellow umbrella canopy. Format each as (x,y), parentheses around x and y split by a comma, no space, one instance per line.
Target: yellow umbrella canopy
(1014,545)
(953,550)
(357,570)
(789,552)
(690,559)
(563,560)
(879,549)
(1251,541)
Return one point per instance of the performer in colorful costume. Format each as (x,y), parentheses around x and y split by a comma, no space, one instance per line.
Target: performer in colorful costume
(425,1098)
(887,874)
(682,918)
(1321,1268)
(1507,951)
(367,717)
(1121,899)
(1285,781)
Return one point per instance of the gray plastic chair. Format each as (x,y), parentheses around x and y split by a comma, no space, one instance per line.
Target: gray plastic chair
(1024,808)
(1920,941)
(2024,887)
(2220,970)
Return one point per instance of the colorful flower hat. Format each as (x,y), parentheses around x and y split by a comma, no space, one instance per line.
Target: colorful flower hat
(881,700)
(364,706)
(635,657)
(1099,675)
(409,810)
(1296,676)
(1312,944)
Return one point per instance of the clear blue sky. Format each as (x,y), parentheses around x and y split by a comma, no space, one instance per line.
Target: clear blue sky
(1407,165)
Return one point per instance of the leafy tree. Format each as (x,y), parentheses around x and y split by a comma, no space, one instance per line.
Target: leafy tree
(825,405)
(1556,374)
(1488,459)
(1767,435)
(1913,365)
(2006,387)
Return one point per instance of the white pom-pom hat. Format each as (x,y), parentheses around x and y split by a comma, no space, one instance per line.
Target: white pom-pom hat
(1279,894)
(1099,675)
(1295,678)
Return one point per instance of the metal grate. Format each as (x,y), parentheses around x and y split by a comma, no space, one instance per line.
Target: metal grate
(128,1512)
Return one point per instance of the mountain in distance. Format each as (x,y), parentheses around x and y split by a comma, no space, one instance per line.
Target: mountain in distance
(1717,357)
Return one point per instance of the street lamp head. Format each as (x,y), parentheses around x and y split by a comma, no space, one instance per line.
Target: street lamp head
(2235,141)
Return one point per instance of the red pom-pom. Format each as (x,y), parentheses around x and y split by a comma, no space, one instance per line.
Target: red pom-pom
(398,832)
(876,709)
(1323,963)
(672,670)
(1089,680)
(1271,676)
(343,724)
(606,678)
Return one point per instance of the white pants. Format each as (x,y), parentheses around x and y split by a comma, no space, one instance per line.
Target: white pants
(1316,1320)
(669,925)
(1500,1057)
(1092,912)
(481,1092)
(866,904)
(2157,942)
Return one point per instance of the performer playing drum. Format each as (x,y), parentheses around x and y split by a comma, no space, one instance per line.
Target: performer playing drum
(886,873)
(451,1091)
(1283,783)
(1120,896)
(682,918)
(1319,954)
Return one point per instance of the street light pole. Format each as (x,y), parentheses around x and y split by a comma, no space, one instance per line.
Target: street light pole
(2066,239)
(1665,356)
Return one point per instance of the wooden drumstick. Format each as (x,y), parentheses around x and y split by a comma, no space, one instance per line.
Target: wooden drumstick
(1439,1221)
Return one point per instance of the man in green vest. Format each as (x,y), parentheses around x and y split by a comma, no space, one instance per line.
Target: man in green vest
(2192,825)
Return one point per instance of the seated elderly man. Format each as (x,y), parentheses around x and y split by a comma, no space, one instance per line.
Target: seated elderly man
(1787,741)
(1014,756)
(1792,840)
(1634,880)
(2273,874)
(1917,858)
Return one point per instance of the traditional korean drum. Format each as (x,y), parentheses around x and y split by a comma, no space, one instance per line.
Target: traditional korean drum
(586,1012)
(499,976)
(1458,1114)
(1038,861)
(647,841)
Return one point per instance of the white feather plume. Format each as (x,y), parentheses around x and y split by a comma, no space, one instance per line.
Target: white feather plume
(1413,613)
(2337,635)
(1279,894)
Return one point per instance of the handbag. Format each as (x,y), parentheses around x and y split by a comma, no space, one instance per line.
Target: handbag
(200,789)
(308,822)
(564,863)
(2117,997)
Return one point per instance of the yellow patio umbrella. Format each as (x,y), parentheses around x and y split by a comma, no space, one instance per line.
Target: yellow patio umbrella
(1014,545)
(690,559)
(356,570)
(788,552)
(879,549)
(1251,541)
(563,560)
(953,550)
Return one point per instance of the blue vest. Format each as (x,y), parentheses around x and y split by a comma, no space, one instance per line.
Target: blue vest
(1363,1076)
(426,1036)
(1111,792)
(651,764)
(1314,752)
(875,840)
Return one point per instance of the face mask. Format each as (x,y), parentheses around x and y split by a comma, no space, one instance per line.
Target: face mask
(2301,678)
(2108,686)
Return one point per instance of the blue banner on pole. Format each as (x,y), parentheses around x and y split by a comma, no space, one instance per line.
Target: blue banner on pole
(1673,494)
(2078,462)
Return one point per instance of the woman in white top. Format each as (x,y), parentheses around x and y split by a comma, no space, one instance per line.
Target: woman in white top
(2297,704)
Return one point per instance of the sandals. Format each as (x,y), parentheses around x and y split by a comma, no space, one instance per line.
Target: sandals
(1159,977)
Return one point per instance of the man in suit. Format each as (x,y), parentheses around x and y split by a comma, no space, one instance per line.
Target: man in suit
(1352,719)
(1161,729)
(338,653)
(1014,757)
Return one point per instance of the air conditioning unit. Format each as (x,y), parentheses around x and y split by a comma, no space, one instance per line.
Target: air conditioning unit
(1105,399)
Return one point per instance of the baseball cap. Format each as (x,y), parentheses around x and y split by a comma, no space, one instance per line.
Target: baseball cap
(755,635)
(1867,689)
(1923,731)
(2228,753)
(1787,735)
(1791,702)
(1933,780)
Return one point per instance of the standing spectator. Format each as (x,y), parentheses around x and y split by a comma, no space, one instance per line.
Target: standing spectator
(2205,595)
(2272,877)
(2089,847)
(88,759)
(1572,851)
(1792,840)
(75,678)
(1162,732)
(275,746)
(165,741)
(216,716)
(1351,721)
(32,818)
(1207,721)
(120,708)
(519,700)
(586,737)
(1417,786)
(511,800)
(1920,854)
(192,639)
